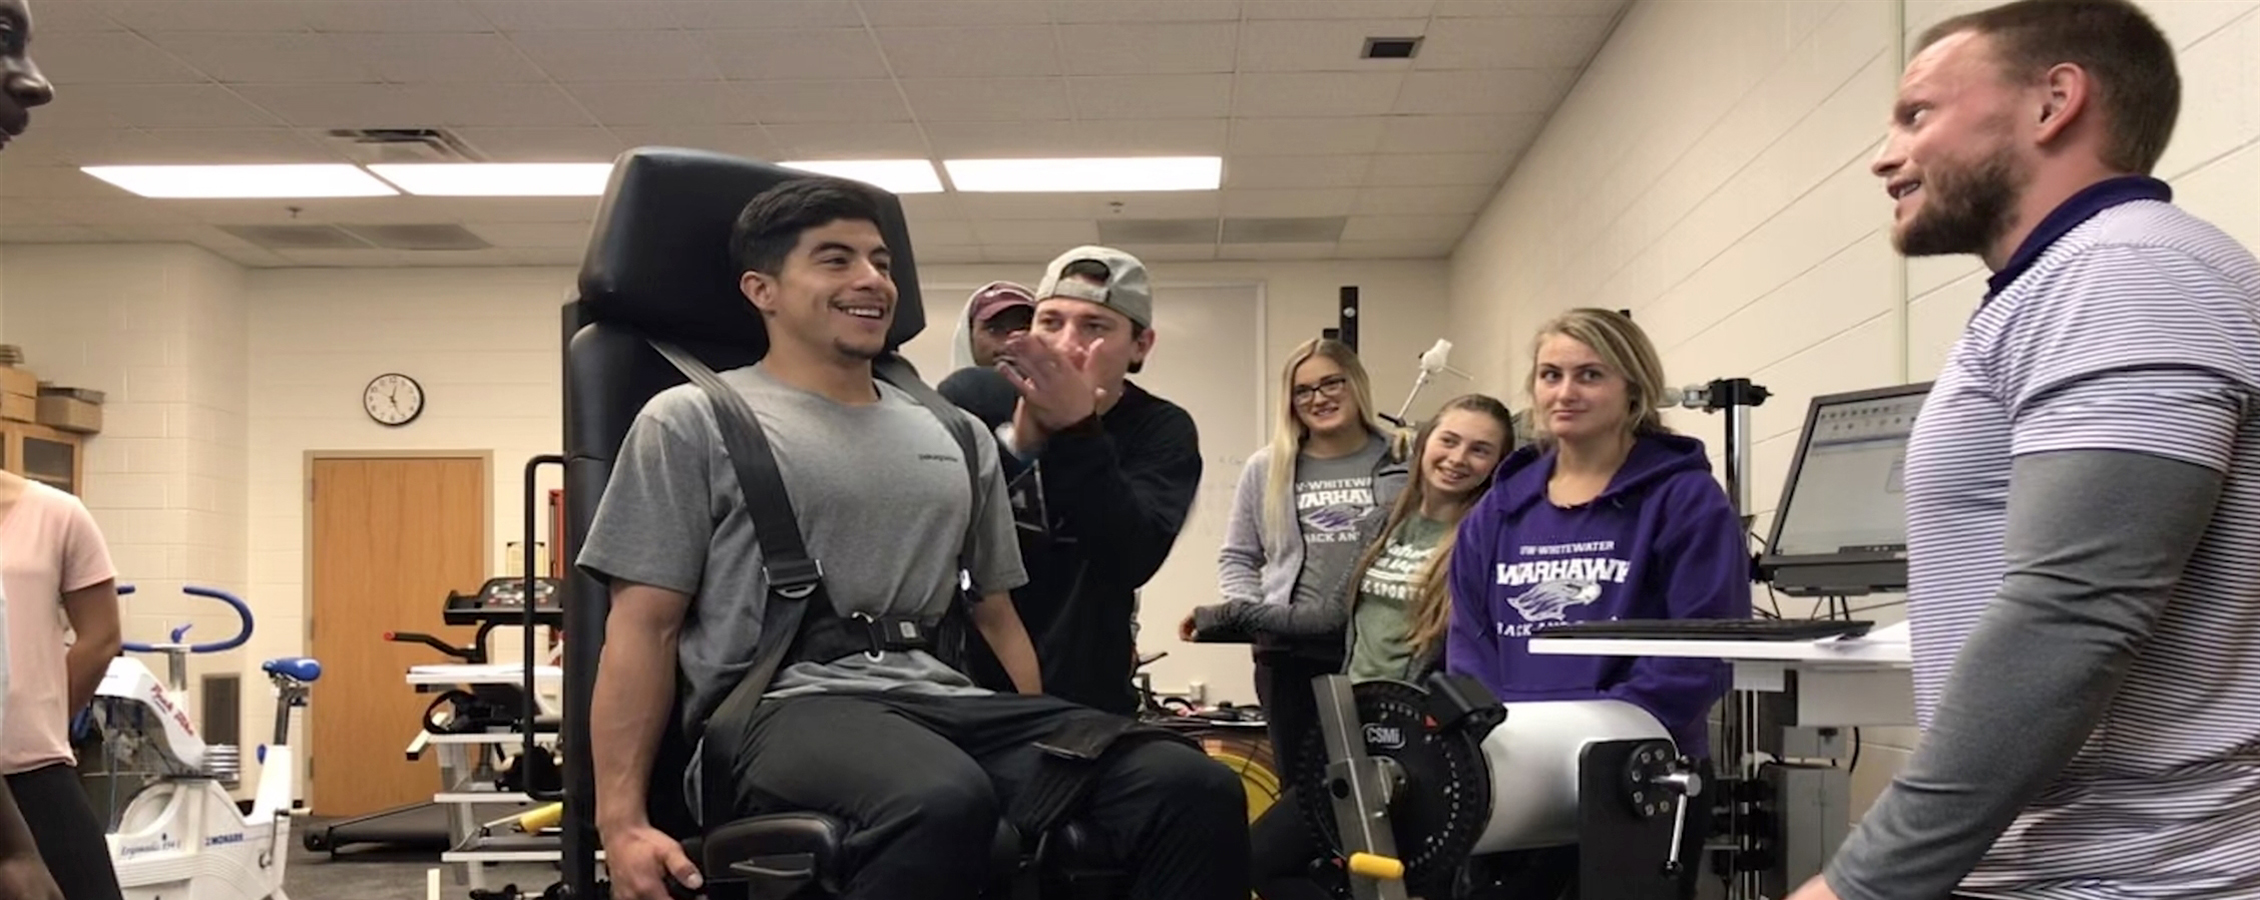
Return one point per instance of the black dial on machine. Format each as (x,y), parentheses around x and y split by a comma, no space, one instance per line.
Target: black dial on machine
(1444,802)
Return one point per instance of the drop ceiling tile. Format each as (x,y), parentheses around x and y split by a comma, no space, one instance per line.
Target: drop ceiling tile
(1338,9)
(1459,134)
(1153,253)
(1276,251)
(17,213)
(1060,233)
(192,233)
(25,181)
(495,105)
(573,15)
(586,143)
(700,15)
(749,141)
(987,99)
(1487,92)
(1033,255)
(1395,249)
(1306,137)
(393,16)
(557,235)
(1294,171)
(192,15)
(795,54)
(1117,11)
(931,206)
(337,105)
(898,13)
(949,254)
(875,100)
(1288,203)
(581,57)
(970,52)
(1437,169)
(129,210)
(409,58)
(51,234)
(160,106)
(72,18)
(1148,47)
(676,103)
(1406,228)
(538,256)
(1132,205)
(1456,200)
(515,209)
(105,57)
(1279,94)
(257,57)
(1161,137)
(49,145)
(941,232)
(343,259)
(849,140)
(1513,8)
(1151,96)
(1526,42)
(1322,46)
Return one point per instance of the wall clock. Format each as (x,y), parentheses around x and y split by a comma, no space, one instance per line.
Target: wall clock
(393,399)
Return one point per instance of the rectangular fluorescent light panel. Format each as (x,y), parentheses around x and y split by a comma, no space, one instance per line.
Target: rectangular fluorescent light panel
(498,179)
(1147,173)
(895,176)
(243,182)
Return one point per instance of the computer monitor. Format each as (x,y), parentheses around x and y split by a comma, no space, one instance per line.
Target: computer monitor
(1840,529)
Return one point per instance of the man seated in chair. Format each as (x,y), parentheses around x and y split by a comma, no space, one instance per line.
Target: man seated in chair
(919,762)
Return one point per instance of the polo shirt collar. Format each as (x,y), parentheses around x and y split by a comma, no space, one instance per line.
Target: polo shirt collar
(2081,207)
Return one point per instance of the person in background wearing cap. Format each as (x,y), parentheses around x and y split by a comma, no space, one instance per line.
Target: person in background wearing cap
(1103,472)
(22,872)
(995,312)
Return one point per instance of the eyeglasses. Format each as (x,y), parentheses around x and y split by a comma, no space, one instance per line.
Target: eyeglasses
(1330,387)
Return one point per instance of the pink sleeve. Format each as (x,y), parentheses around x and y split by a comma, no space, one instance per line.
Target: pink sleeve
(86,556)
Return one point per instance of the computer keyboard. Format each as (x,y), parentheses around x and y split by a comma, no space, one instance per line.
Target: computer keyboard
(1711,629)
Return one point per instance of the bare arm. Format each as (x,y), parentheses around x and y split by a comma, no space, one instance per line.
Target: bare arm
(999,623)
(93,612)
(635,687)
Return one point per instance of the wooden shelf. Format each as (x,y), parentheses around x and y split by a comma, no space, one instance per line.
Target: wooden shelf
(50,456)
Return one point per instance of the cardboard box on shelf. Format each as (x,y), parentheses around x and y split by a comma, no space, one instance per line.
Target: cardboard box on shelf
(19,408)
(15,380)
(70,414)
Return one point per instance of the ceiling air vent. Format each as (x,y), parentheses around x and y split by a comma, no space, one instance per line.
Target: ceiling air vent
(297,237)
(418,237)
(1311,230)
(1116,232)
(1390,48)
(373,146)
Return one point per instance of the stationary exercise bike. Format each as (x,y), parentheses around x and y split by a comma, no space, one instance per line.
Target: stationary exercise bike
(182,837)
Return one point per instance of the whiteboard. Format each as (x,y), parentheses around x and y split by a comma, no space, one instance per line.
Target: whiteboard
(1208,357)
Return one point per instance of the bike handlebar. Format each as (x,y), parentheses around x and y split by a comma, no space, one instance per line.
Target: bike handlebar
(242,612)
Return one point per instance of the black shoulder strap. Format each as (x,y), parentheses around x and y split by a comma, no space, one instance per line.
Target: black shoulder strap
(794,579)
(898,372)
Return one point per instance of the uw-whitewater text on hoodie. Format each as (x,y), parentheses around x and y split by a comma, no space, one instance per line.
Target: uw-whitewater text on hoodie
(1660,542)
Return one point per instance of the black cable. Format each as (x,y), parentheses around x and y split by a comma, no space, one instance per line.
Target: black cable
(1855,764)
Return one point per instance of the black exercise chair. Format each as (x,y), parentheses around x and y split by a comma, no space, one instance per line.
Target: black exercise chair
(658,267)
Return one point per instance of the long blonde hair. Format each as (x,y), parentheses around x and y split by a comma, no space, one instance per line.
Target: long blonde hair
(1432,594)
(1623,347)
(1288,433)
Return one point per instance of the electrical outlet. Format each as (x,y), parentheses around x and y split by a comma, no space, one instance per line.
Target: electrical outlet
(1198,690)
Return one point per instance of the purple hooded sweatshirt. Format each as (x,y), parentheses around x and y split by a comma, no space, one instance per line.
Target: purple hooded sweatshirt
(1661,542)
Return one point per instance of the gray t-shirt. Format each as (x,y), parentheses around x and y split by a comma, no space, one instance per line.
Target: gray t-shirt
(882,497)
(1333,498)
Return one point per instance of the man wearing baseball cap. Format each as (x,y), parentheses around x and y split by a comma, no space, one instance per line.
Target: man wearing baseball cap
(996,311)
(1104,472)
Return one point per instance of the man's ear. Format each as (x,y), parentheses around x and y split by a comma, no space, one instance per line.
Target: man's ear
(2065,92)
(760,288)
(1144,344)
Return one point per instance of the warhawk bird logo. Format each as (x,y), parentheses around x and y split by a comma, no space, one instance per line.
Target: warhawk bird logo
(1334,519)
(1548,602)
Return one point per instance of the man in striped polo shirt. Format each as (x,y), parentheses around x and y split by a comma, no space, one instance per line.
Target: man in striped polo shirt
(2082,487)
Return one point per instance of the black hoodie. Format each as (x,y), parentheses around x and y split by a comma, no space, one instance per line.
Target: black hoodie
(1100,506)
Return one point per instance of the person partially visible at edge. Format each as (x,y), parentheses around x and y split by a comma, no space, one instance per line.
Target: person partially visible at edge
(1103,472)
(993,314)
(1304,510)
(22,873)
(2082,486)
(1398,605)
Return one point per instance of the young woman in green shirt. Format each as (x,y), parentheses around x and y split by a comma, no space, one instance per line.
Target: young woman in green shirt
(1398,600)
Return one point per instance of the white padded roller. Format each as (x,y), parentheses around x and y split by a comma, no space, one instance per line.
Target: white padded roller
(1533,757)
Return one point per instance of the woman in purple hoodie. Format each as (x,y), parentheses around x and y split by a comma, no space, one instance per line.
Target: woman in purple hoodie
(1606,515)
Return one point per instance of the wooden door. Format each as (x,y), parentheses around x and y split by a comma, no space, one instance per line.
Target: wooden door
(390,539)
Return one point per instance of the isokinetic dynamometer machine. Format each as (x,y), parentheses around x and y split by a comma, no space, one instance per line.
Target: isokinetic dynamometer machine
(1414,780)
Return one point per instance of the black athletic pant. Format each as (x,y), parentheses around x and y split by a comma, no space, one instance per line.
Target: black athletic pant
(68,833)
(922,782)
(1290,709)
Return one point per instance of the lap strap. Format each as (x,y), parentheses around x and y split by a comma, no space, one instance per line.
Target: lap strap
(1072,758)
(827,638)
